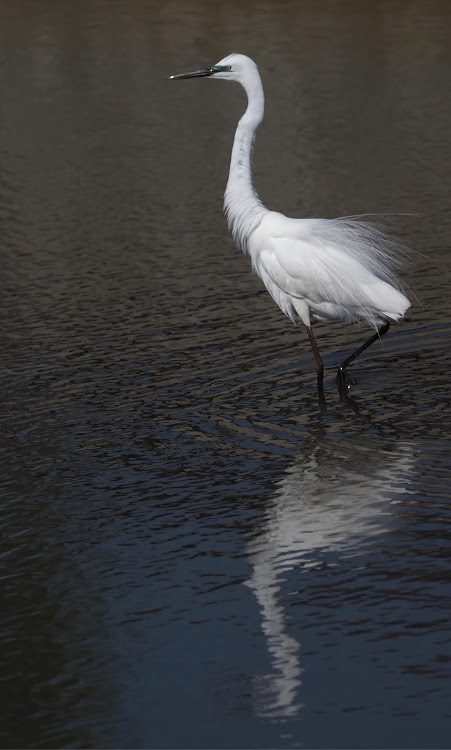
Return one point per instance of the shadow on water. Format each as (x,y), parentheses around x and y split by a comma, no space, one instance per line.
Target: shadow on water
(335,500)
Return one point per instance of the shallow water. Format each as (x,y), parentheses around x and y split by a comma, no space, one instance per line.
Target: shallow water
(194,555)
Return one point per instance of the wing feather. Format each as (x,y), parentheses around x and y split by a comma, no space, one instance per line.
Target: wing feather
(343,262)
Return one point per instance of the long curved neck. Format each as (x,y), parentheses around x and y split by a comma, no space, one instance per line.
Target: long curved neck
(242,205)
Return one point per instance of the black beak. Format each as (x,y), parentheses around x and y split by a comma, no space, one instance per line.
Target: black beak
(194,74)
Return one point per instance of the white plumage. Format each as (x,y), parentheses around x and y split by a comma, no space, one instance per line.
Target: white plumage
(314,269)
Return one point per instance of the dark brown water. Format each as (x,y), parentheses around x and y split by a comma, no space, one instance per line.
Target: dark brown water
(192,554)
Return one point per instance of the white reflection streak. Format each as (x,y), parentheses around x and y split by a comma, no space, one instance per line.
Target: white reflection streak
(337,499)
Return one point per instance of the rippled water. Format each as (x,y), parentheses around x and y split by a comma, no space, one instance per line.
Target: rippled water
(193,554)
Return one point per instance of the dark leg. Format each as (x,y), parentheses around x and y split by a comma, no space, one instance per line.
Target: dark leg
(341,374)
(318,364)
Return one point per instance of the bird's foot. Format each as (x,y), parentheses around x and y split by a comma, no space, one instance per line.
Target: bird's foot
(345,382)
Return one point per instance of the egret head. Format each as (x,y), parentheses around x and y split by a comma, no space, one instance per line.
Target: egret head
(231,68)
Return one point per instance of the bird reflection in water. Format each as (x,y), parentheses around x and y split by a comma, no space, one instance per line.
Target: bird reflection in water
(336,497)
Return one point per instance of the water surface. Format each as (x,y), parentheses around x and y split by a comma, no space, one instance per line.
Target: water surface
(193,554)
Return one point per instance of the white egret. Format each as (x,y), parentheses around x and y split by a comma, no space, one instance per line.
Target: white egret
(314,269)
